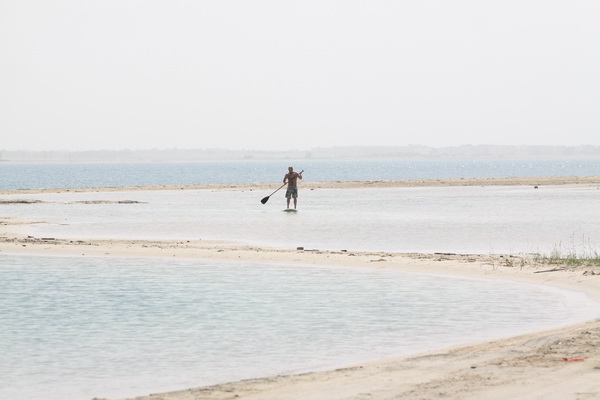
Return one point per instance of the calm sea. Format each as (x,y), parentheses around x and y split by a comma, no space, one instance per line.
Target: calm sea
(75,328)
(30,176)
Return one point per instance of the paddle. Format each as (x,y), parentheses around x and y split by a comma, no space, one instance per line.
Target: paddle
(265,199)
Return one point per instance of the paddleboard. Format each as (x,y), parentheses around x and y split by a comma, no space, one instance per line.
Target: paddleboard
(290,210)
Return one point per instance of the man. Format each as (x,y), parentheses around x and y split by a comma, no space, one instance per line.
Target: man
(291,178)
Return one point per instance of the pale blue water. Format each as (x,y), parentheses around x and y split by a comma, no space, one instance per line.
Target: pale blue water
(29,176)
(508,220)
(73,328)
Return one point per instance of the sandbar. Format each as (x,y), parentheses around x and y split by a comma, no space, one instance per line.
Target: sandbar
(306,184)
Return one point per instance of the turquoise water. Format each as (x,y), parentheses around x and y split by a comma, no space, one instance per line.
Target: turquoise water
(483,220)
(73,328)
(29,176)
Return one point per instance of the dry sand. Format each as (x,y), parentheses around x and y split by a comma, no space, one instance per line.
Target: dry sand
(528,181)
(524,367)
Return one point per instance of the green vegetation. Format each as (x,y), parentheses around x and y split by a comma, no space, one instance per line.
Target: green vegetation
(570,259)
(585,255)
(578,255)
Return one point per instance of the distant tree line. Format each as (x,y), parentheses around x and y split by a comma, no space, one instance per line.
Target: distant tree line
(411,152)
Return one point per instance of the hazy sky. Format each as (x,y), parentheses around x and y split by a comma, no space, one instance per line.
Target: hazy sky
(278,74)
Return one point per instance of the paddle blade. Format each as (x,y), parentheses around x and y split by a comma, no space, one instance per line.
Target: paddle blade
(265,200)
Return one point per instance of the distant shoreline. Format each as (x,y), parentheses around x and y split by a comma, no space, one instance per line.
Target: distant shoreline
(509,181)
(413,152)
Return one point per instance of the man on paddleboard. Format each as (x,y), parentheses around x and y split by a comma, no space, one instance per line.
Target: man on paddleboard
(291,178)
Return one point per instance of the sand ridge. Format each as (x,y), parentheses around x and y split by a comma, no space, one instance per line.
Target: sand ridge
(592,181)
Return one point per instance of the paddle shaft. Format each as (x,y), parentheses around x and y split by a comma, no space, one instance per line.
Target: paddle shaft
(264,200)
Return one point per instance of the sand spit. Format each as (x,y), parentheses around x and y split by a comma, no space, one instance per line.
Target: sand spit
(307,184)
(561,364)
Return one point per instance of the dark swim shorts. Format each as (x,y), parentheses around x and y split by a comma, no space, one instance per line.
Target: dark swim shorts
(291,192)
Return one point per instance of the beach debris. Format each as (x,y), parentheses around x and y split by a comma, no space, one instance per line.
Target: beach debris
(573,359)
(106,202)
(300,248)
(20,201)
(551,270)
(32,201)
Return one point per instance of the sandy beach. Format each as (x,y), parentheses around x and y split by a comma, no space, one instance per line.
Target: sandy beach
(560,364)
(592,181)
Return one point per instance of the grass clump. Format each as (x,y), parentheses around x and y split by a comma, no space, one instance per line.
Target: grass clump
(570,259)
(576,256)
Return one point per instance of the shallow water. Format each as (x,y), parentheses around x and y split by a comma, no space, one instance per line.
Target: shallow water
(77,328)
(455,219)
(74,328)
